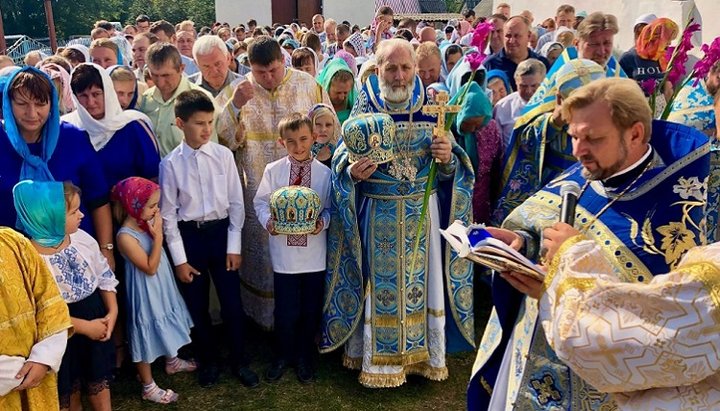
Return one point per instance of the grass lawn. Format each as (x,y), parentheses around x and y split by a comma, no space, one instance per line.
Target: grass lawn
(336,388)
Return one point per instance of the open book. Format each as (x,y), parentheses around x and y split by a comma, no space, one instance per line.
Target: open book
(477,245)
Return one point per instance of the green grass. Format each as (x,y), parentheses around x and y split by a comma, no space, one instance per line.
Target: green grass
(336,388)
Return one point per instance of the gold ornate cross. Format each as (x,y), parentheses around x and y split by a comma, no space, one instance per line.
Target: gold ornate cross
(440,108)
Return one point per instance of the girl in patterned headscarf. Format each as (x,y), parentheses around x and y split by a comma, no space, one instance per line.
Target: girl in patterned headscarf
(158,322)
(326,129)
(50,214)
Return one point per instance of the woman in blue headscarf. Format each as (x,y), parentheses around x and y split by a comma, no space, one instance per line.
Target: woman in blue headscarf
(35,145)
(450,55)
(498,82)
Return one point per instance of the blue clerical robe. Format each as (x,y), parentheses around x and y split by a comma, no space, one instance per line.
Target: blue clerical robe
(643,232)
(538,151)
(370,248)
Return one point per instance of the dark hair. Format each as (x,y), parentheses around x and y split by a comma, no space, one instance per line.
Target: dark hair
(293,122)
(469,13)
(452,49)
(69,191)
(404,34)
(84,77)
(343,28)
(161,53)
(142,18)
(252,22)
(449,29)
(301,55)
(479,78)
(264,51)
(190,102)
(73,55)
(31,84)
(313,41)
(164,26)
(104,24)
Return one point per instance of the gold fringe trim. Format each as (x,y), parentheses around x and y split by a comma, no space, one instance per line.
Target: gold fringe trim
(395,380)
(382,380)
(401,359)
(352,363)
(426,370)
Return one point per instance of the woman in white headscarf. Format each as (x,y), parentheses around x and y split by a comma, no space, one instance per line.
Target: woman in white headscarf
(125,144)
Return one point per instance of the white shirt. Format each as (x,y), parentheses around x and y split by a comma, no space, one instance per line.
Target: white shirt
(289,259)
(506,112)
(200,185)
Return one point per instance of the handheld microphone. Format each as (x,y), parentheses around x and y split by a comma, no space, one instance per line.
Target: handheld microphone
(569,192)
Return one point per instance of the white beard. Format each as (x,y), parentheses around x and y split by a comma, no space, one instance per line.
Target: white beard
(396,96)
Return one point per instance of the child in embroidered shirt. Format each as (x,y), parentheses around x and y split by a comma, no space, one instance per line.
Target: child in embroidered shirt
(298,260)
(158,321)
(50,213)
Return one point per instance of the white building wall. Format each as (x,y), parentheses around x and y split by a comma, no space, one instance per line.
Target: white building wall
(240,11)
(627,11)
(358,12)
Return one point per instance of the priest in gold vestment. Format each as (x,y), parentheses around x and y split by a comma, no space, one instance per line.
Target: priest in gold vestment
(248,126)
(34,324)
(653,346)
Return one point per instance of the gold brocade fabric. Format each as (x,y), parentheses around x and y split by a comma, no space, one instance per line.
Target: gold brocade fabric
(654,345)
(31,309)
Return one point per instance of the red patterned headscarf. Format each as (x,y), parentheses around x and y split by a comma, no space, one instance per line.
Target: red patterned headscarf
(133,193)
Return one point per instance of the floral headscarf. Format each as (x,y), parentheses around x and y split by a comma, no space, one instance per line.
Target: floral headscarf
(133,193)
(655,38)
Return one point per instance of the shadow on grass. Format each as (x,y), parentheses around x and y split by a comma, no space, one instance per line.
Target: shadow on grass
(336,388)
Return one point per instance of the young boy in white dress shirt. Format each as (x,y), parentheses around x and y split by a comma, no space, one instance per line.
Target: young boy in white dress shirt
(203,214)
(298,260)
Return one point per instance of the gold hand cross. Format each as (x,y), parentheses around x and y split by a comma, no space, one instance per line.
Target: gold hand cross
(440,108)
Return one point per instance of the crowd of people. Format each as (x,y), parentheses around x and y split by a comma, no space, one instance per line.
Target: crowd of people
(304,171)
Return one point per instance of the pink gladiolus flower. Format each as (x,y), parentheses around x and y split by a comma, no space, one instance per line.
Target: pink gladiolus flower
(481,35)
(712,55)
(677,68)
(475,60)
(648,86)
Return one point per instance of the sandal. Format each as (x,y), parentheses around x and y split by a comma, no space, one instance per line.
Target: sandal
(180,366)
(160,396)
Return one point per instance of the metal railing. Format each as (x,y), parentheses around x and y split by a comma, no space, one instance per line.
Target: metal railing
(24,44)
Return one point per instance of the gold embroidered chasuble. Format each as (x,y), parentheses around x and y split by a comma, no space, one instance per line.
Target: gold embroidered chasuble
(31,309)
(254,138)
(654,345)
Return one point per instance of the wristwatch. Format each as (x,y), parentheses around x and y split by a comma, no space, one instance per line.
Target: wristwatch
(108,246)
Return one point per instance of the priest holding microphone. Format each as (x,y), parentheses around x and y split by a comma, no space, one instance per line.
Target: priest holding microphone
(640,187)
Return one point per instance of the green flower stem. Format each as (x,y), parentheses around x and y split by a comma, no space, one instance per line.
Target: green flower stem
(432,174)
(666,112)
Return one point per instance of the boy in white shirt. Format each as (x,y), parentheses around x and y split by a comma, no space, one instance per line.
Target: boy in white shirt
(298,260)
(203,214)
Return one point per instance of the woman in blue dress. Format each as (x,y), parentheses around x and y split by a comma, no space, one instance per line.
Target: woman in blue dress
(36,145)
(123,139)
